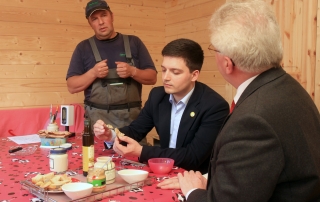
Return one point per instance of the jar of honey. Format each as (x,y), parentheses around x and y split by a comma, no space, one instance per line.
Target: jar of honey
(97,178)
(109,168)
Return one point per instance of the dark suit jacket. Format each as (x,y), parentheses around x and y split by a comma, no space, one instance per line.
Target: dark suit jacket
(196,134)
(269,147)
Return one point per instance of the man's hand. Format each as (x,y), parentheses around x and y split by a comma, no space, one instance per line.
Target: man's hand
(133,148)
(101,131)
(124,70)
(191,180)
(171,183)
(101,69)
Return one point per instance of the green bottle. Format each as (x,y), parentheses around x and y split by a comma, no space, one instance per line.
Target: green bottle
(87,147)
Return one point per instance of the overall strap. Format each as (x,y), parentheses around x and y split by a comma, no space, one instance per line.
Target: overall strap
(95,49)
(127,50)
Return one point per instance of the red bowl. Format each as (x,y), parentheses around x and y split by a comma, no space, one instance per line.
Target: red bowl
(161,165)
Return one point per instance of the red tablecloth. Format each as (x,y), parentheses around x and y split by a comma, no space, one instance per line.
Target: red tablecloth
(15,168)
(31,120)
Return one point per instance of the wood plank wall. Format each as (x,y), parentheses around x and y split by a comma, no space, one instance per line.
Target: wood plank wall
(37,39)
(298,22)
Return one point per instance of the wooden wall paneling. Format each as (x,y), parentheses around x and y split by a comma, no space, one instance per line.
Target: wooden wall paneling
(194,25)
(175,5)
(311,35)
(193,12)
(297,35)
(33,43)
(69,5)
(317,70)
(37,99)
(35,29)
(77,5)
(34,57)
(47,30)
(32,85)
(51,16)
(307,48)
(41,15)
(30,71)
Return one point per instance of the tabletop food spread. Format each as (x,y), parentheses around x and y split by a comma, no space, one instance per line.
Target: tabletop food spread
(26,175)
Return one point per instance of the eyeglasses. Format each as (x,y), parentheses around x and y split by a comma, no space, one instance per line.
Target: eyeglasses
(212,49)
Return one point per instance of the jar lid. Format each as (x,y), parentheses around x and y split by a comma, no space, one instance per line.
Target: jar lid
(58,150)
(67,146)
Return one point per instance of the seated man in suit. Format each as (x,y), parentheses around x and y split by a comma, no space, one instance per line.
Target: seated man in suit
(268,148)
(186,114)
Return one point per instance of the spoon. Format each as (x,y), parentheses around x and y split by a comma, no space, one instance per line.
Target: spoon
(101,168)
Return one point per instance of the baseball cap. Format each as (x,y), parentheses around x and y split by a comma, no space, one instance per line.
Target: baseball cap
(95,5)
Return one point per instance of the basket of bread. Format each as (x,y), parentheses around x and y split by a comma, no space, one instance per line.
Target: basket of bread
(50,181)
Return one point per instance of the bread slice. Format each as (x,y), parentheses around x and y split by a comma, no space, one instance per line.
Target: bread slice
(65,177)
(39,183)
(46,185)
(36,178)
(47,177)
(55,178)
(118,133)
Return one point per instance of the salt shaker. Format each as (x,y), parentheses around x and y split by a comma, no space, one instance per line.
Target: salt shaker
(58,159)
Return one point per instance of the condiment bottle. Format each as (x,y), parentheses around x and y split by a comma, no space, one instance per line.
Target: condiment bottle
(97,178)
(87,147)
(58,159)
(109,169)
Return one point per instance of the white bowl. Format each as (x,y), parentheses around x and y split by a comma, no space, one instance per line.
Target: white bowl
(76,190)
(133,175)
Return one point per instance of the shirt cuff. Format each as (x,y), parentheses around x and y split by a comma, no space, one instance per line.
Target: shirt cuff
(110,143)
(189,192)
(205,175)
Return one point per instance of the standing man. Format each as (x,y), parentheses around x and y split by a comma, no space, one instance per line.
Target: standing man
(103,69)
(268,148)
(186,114)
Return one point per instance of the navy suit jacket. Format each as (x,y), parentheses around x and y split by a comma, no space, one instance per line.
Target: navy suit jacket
(196,134)
(269,147)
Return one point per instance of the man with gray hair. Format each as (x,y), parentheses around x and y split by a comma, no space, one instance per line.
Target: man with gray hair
(268,148)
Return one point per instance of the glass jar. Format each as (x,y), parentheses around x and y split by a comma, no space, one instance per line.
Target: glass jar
(52,127)
(109,168)
(97,178)
(58,160)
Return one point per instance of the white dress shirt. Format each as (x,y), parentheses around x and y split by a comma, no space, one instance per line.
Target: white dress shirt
(177,110)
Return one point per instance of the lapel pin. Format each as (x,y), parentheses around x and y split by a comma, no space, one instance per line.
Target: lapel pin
(192,114)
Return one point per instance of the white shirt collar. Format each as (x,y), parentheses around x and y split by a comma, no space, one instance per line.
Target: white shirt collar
(184,100)
(242,87)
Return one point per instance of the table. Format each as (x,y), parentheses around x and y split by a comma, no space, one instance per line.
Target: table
(15,168)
